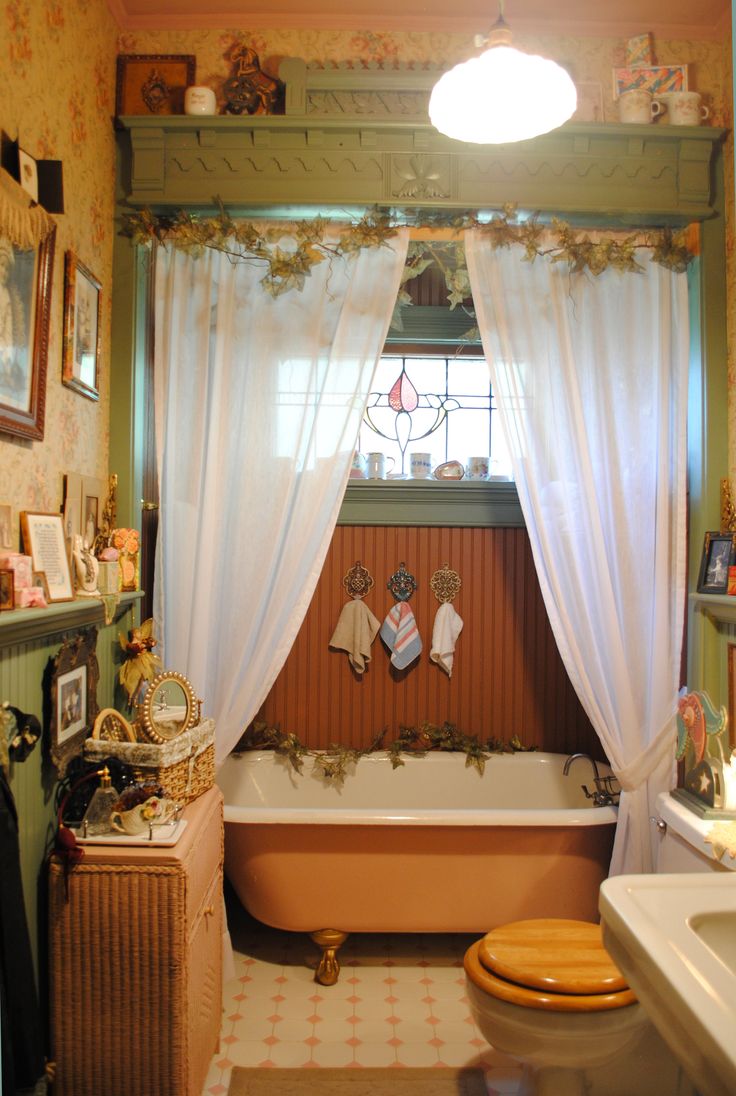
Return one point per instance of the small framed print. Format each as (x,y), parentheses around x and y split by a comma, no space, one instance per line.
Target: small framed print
(153,83)
(94,496)
(7,588)
(719,553)
(73,699)
(28,174)
(81,352)
(43,541)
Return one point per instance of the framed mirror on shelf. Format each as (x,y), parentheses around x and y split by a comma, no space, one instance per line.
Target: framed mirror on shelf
(169,707)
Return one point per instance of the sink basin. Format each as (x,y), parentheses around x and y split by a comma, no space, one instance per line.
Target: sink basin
(718,932)
(674,938)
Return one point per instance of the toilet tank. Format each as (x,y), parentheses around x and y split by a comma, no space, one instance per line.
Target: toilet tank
(682,844)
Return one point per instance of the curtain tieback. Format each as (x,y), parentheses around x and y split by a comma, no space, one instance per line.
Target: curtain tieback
(638,771)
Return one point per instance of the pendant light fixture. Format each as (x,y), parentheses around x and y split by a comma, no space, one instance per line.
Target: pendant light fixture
(503,95)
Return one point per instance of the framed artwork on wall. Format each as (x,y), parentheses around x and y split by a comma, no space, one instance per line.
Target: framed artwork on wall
(73,696)
(25,305)
(153,83)
(81,352)
(43,541)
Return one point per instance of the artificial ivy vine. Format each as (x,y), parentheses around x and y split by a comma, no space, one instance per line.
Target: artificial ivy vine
(313,243)
(334,762)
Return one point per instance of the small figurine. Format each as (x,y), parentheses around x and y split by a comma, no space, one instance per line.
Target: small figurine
(248,89)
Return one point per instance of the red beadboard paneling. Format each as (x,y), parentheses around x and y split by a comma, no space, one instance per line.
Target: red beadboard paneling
(507,677)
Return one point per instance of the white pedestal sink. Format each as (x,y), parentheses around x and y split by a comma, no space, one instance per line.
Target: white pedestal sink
(674,938)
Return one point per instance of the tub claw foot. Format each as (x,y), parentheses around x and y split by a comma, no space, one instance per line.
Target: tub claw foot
(329,940)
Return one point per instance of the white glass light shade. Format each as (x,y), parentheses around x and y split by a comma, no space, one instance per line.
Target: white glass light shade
(504,95)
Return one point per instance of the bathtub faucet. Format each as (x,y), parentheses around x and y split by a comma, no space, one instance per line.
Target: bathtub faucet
(605,794)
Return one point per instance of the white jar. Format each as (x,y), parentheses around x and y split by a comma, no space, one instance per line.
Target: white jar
(199,100)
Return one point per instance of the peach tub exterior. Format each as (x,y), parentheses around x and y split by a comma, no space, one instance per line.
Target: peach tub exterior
(429,847)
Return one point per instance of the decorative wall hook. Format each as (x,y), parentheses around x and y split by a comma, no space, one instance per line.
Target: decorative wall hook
(445,583)
(357,581)
(401,584)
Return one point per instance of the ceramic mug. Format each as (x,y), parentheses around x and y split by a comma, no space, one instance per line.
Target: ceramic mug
(137,819)
(685,108)
(199,100)
(638,105)
(377,465)
(420,465)
(359,467)
(478,468)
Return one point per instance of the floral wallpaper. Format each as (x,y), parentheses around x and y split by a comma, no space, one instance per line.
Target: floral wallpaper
(57,71)
(58,99)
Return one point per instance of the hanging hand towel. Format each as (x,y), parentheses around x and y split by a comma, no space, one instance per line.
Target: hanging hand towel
(354,632)
(447,627)
(400,634)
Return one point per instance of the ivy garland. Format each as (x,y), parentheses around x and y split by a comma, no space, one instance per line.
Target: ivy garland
(248,241)
(333,763)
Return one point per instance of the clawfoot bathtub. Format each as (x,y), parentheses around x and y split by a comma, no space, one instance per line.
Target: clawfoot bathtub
(432,846)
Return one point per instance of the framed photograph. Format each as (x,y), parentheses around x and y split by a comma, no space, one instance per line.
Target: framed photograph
(43,541)
(7,590)
(153,83)
(81,353)
(94,496)
(6,525)
(719,552)
(654,78)
(73,700)
(39,579)
(25,306)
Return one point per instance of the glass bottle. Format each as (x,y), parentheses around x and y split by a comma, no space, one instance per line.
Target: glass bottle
(97,816)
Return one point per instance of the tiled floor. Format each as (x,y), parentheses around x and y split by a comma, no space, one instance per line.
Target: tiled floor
(400,1001)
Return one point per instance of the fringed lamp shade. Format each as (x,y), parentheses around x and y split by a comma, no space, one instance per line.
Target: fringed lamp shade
(502,96)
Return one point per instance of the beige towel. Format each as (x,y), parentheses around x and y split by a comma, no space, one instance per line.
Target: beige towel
(447,627)
(355,631)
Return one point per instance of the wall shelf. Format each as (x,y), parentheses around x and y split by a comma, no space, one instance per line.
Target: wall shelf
(719,607)
(21,625)
(460,503)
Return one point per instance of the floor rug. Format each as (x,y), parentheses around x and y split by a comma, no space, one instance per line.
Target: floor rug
(357,1082)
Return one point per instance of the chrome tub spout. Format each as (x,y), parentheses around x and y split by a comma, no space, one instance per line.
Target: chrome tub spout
(606,793)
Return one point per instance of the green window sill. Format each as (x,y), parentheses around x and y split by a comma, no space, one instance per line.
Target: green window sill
(469,503)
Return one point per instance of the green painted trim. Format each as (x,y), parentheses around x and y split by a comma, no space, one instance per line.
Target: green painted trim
(627,173)
(22,625)
(431,502)
(718,607)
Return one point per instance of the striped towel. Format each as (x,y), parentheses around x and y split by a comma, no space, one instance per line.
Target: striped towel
(400,634)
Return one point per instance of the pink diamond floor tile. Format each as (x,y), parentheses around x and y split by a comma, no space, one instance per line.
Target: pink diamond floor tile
(399,1003)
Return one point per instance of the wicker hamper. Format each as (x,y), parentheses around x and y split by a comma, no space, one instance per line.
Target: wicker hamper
(184,767)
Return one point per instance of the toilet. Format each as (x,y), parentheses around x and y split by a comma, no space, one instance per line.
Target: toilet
(546,992)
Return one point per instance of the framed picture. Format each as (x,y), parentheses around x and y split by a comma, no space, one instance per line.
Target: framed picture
(7,590)
(6,525)
(81,353)
(655,78)
(719,552)
(28,173)
(25,305)
(94,496)
(43,541)
(73,700)
(153,83)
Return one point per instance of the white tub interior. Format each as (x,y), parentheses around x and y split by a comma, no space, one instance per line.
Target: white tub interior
(435,789)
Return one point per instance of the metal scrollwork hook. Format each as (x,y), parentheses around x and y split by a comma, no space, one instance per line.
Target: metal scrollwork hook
(401,584)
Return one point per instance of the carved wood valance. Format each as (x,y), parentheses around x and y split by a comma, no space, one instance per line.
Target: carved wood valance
(357,138)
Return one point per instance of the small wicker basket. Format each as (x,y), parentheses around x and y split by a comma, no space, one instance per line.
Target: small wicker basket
(184,767)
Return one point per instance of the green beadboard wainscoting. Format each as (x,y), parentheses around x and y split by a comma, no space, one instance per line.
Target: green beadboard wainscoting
(29,639)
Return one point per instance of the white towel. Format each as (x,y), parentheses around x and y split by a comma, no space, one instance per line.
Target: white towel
(447,627)
(355,630)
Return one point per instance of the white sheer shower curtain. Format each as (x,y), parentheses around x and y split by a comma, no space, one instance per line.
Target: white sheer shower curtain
(258,404)
(590,375)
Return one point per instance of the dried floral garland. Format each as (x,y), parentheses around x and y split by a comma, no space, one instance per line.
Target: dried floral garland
(313,243)
(334,762)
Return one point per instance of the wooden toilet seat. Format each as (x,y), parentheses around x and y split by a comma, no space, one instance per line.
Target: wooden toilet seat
(548,963)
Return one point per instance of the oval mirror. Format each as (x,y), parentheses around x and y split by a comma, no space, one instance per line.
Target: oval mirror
(169,707)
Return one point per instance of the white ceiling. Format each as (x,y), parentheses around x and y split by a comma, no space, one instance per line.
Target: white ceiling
(688,19)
